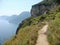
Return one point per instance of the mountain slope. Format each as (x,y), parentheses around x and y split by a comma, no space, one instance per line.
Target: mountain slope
(54,31)
(28,31)
(16,19)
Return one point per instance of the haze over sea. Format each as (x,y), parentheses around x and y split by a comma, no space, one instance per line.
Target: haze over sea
(9,12)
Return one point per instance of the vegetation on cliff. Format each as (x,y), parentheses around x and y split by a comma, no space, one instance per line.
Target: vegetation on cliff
(54,30)
(27,31)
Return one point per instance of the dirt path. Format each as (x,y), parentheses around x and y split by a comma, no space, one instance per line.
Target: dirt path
(42,37)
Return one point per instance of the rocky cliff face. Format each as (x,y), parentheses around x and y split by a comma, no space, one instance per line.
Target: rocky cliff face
(43,7)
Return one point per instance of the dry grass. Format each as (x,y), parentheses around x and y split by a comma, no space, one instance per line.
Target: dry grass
(26,36)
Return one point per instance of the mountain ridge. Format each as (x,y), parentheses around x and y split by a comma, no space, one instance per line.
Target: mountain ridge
(16,19)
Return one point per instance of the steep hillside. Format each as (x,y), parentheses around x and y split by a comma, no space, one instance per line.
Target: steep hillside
(43,7)
(43,12)
(54,31)
(27,33)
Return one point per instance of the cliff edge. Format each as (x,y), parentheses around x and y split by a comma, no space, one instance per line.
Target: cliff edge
(43,7)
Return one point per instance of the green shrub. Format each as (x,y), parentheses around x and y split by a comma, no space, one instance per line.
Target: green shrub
(54,31)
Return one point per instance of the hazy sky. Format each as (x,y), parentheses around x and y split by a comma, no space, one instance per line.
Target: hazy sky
(10,7)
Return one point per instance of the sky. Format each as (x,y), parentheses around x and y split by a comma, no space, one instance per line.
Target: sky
(15,7)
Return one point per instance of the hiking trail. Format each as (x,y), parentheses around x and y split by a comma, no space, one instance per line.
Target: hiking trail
(42,37)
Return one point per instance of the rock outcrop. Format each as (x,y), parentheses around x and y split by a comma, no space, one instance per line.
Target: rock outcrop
(43,7)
